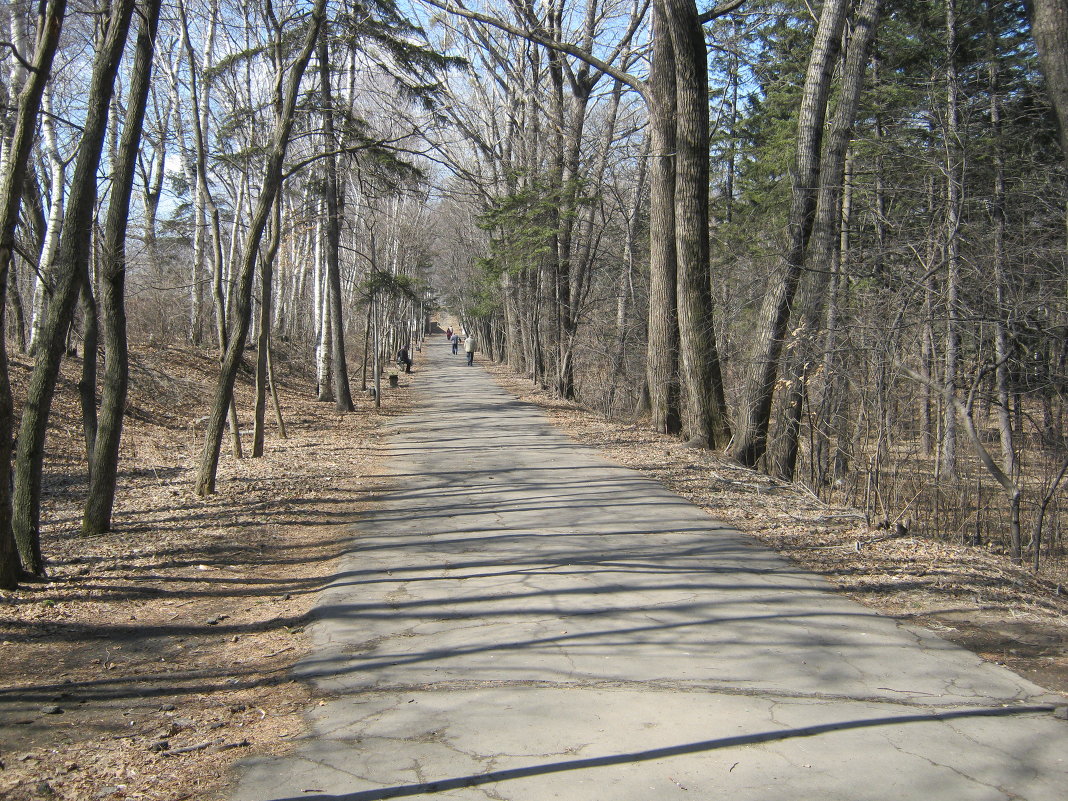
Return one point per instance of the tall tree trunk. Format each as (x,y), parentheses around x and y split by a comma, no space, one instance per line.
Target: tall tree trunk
(825,234)
(205,200)
(12,182)
(1049,26)
(834,401)
(152,188)
(71,269)
(272,180)
(324,363)
(1001,336)
(705,421)
(342,392)
(50,245)
(90,353)
(206,209)
(104,459)
(954,182)
(755,412)
(264,338)
(663,340)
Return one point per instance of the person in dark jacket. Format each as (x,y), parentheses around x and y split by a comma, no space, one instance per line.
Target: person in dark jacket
(404,361)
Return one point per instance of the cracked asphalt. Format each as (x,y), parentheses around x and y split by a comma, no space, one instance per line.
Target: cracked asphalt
(519,619)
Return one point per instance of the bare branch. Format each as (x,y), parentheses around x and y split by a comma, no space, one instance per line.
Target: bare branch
(719,11)
(452,7)
(964,414)
(18,56)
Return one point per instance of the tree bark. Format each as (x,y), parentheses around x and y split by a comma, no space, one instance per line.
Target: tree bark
(12,183)
(279,420)
(705,422)
(1001,321)
(755,412)
(50,243)
(272,179)
(104,459)
(264,338)
(18,314)
(1049,26)
(663,340)
(90,353)
(342,391)
(826,227)
(71,272)
(954,191)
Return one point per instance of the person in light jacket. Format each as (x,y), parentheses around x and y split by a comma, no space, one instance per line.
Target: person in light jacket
(469,349)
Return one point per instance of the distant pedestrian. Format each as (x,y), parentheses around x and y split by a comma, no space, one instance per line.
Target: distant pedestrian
(455,339)
(448,334)
(404,360)
(469,349)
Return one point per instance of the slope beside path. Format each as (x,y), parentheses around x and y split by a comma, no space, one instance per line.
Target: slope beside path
(519,619)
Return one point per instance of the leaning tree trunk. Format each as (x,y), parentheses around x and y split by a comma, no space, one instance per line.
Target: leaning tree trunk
(104,459)
(11,187)
(71,269)
(264,335)
(50,242)
(755,413)
(272,180)
(342,391)
(825,234)
(201,102)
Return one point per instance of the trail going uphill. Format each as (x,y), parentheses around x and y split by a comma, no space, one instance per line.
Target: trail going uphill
(519,619)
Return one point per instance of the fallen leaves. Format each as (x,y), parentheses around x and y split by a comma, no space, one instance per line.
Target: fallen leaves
(166,644)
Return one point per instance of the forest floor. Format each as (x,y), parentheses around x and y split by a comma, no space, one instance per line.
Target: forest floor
(152,658)
(972,596)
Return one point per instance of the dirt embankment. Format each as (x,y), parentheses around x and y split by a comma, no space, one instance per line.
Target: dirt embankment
(152,658)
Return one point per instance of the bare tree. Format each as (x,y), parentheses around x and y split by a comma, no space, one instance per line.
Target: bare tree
(342,393)
(12,182)
(755,409)
(271,181)
(104,456)
(75,248)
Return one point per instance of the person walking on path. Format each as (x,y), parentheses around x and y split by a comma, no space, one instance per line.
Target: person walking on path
(455,339)
(404,360)
(448,334)
(469,349)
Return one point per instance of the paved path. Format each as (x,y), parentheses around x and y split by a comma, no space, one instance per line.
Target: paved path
(521,620)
